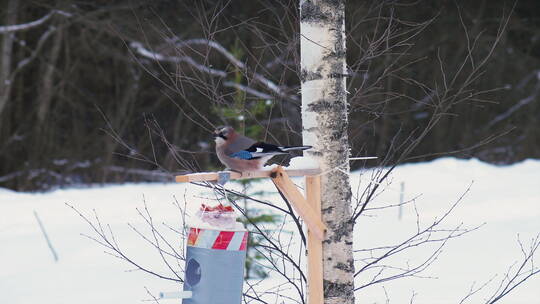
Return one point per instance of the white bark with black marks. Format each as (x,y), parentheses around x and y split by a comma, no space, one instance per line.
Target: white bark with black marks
(325,124)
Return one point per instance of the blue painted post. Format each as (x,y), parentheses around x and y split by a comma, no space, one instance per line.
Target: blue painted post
(215,266)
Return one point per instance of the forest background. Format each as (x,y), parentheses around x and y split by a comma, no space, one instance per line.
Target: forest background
(115,91)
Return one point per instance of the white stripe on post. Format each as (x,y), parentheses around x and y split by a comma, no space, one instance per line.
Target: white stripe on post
(207,238)
(236,241)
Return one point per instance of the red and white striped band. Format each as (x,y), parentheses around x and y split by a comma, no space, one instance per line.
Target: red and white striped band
(216,239)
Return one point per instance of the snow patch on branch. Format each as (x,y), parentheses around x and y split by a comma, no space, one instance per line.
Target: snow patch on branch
(303,163)
(269,84)
(141,50)
(258,77)
(25,26)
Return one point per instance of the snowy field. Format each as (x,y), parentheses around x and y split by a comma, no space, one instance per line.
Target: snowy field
(506,199)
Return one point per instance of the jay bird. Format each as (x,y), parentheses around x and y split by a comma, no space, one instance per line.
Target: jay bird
(240,153)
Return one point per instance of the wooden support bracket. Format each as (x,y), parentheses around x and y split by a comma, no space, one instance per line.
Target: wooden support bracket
(298,201)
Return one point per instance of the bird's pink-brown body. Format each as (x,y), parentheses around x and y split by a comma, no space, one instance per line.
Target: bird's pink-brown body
(240,153)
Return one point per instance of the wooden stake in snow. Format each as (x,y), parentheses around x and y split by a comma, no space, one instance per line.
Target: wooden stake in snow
(46,236)
(324,121)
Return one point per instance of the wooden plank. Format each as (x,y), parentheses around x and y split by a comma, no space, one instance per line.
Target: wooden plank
(286,186)
(213,176)
(315,251)
(197,177)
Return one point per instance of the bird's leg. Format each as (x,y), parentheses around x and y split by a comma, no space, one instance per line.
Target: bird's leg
(223,177)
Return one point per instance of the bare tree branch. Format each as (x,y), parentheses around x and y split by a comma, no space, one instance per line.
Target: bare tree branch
(6,29)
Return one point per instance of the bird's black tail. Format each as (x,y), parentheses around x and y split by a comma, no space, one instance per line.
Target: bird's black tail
(291,148)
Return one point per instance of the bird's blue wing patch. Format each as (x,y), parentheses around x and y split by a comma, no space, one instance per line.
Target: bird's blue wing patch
(242,155)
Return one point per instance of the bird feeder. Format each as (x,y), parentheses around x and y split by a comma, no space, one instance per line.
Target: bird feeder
(309,209)
(215,266)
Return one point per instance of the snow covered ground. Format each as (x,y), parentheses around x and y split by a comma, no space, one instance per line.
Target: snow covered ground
(506,199)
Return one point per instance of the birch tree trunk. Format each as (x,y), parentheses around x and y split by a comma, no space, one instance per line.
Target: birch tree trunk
(6,55)
(325,125)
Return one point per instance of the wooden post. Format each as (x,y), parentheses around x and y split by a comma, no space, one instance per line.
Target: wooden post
(315,262)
